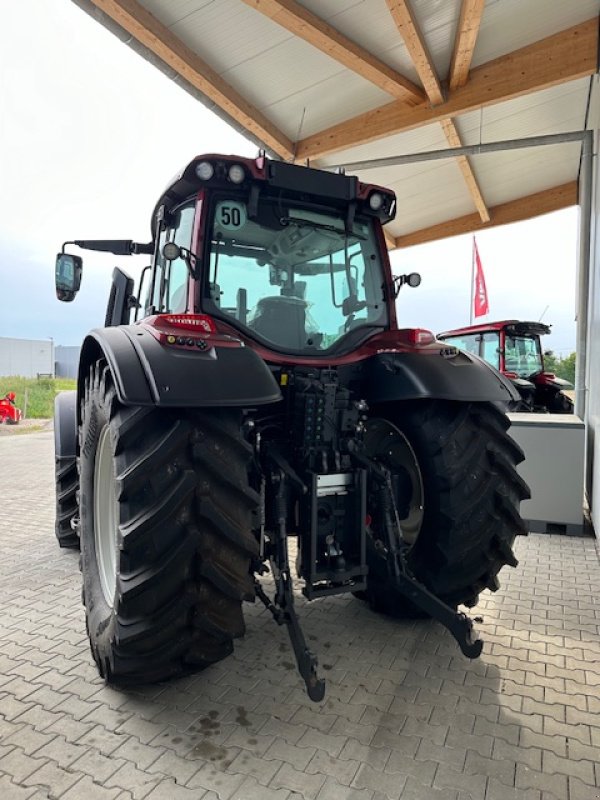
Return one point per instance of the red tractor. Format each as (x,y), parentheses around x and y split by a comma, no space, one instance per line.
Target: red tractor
(9,412)
(263,392)
(514,348)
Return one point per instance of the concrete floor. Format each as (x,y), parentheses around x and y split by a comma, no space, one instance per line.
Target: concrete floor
(405,715)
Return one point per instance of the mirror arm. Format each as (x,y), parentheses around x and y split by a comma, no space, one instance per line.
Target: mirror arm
(119,247)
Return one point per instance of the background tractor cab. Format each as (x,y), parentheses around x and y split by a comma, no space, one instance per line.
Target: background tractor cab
(514,348)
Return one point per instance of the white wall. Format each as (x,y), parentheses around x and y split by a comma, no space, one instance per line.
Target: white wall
(66,361)
(592,416)
(26,357)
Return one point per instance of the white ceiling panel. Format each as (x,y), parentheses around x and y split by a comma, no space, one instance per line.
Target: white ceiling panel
(302,91)
(514,173)
(556,110)
(508,25)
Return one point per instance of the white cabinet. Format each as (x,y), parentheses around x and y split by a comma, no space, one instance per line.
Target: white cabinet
(554,462)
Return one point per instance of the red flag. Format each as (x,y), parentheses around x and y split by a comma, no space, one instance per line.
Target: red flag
(480,298)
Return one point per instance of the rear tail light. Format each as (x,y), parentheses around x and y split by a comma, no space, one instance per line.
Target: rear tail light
(416,337)
(198,323)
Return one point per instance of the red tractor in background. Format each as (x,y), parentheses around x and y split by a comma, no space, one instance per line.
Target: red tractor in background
(266,393)
(9,412)
(514,348)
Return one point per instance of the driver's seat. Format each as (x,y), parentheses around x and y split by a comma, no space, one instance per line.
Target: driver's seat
(281,320)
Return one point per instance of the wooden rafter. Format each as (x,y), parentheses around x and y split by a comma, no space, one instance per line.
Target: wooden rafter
(453,139)
(513,211)
(464,46)
(415,44)
(390,239)
(151,33)
(417,49)
(306,25)
(563,57)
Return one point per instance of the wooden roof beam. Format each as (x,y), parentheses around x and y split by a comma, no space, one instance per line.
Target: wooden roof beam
(306,25)
(563,57)
(155,36)
(415,44)
(453,139)
(513,211)
(464,45)
(417,49)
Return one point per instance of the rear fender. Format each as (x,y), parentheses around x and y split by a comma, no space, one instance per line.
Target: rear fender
(146,373)
(436,374)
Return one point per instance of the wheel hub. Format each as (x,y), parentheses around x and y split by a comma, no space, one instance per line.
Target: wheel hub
(387,445)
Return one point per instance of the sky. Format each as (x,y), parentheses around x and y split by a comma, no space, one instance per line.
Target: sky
(90,134)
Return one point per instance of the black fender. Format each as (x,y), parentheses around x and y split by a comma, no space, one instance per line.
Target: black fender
(147,373)
(436,374)
(65,426)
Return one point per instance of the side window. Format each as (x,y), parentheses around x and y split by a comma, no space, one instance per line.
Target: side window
(490,349)
(470,343)
(171,280)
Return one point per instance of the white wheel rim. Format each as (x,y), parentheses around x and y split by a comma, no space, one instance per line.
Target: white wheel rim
(105,517)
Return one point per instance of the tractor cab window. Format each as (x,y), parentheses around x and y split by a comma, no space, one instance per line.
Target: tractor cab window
(490,348)
(169,292)
(523,355)
(468,342)
(292,276)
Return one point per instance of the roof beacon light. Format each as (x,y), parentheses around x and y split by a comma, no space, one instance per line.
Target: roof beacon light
(376,201)
(205,170)
(236,173)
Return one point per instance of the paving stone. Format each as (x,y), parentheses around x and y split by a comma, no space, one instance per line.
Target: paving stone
(526,778)
(296,756)
(343,771)
(375,757)
(87,789)
(261,769)
(169,790)
(18,765)
(210,777)
(391,784)
(135,781)
(448,778)
(499,791)
(11,791)
(53,778)
(332,790)
(251,790)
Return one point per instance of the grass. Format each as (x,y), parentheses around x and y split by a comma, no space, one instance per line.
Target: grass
(35,396)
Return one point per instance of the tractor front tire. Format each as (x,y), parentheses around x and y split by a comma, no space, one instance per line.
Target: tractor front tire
(470,504)
(166,541)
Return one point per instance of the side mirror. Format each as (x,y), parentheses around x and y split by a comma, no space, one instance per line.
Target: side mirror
(67,276)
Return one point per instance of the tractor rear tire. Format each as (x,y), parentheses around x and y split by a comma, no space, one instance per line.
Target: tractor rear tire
(67,484)
(470,504)
(166,541)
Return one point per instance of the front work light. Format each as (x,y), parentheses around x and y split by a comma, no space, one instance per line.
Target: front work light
(376,201)
(205,170)
(236,173)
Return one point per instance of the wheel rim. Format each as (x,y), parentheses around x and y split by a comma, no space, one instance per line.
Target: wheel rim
(387,445)
(105,517)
